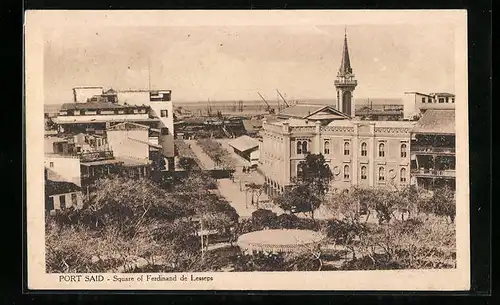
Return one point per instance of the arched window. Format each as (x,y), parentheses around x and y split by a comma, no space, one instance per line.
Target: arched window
(346,148)
(403,175)
(364,151)
(403,150)
(326,147)
(299,147)
(304,147)
(381,150)
(346,172)
(363,172)
(381,174)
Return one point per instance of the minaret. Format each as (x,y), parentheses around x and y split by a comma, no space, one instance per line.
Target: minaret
(345,83)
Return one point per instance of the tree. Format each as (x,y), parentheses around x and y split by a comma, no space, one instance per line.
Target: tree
(315,173)
(131,224)
(263,219)
(299,199)
(443,203)
(310,186)
(255,189)
(187,164)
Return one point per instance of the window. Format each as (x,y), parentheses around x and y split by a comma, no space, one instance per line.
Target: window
(304,147)
(164,113)
(326,147)
(447,100)
(363,172)
(299,147)
(49,204)
(51,164)
(403,151)
(346,172)
(346,148)
(381,174)
(453,100)
(441,100)
(62,202)
(74,202)
(299,168)
(381,150)
(423,100)
(430,100)
(403,175)
(364,151)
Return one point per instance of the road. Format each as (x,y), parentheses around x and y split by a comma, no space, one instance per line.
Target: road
(206,161)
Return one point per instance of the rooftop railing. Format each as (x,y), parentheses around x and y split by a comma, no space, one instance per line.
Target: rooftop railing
(96,155)
(433,172)
(432,149)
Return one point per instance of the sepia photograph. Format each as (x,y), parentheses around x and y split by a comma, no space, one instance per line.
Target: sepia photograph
(181,149)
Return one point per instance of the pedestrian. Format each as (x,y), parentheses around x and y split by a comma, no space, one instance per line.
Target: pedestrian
(244,171)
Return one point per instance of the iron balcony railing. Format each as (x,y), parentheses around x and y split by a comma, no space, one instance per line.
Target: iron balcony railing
(432,149)
(96,155)
(433,172)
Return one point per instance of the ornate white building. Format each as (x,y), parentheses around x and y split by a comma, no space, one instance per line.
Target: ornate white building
(365,153)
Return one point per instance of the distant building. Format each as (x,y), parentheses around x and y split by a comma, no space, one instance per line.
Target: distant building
(415,102)
(95,110)
(84,93)
(433,149)
(247,148)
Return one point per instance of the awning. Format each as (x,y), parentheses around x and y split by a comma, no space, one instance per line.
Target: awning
(244,143)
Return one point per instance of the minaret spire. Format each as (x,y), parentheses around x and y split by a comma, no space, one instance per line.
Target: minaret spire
(345,64)
(345,82)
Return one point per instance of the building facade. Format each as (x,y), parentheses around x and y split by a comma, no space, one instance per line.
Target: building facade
(95,111)
(433,150)
(414,103)
(363,153)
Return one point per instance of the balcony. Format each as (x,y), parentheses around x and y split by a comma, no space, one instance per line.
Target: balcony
(432,149)
(96,156)
(426,172)
(345,82)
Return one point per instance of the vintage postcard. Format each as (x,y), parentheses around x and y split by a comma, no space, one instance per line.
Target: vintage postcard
(247,150)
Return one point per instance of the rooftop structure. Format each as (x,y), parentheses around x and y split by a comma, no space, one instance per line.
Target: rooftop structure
(416,102)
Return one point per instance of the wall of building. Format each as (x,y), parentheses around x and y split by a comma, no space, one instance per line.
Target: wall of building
(69,202)
(66,168)
(129,143)
(411,104)
(280,163)
(414,102)
(163,110)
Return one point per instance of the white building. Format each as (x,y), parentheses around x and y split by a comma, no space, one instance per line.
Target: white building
(415,102)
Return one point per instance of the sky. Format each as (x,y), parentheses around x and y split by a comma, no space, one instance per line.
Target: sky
(234,63)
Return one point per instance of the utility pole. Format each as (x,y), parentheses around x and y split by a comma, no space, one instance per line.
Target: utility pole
(149,72)
(201,237)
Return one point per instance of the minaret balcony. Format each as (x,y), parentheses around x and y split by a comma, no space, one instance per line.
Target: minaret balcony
(346,83)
